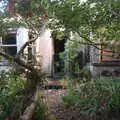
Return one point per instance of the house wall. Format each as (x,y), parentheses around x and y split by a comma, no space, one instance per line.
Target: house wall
(94,55)
(102,68)
(45,51)
(21,37)
(5,68)
(44,48)
(11,44)
(106,70)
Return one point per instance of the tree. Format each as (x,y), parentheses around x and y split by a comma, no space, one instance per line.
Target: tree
(91,20)
(96,19)
(32,15)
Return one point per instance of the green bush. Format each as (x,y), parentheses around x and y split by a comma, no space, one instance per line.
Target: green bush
(98,97)
(40,111)
(11,85)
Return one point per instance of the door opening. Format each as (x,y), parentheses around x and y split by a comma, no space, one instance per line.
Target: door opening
(58,48)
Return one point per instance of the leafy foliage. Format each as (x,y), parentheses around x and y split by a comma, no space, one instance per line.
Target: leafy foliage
(94,98)
(73,57)
(11,87)
(41,111)
(29,13)
(101,18)
(94,21)
(89,16)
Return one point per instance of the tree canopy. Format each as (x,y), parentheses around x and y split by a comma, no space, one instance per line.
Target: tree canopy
(96,19)
(101,17)
(90,19)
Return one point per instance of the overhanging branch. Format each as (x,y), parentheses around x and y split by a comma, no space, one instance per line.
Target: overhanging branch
(88,40)
(18,61)
(26,44)
(91,43)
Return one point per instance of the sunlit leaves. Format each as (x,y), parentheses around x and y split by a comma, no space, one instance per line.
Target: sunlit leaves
(90,16)
(25,11)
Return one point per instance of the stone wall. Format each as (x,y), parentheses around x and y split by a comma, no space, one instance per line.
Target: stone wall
(100,70)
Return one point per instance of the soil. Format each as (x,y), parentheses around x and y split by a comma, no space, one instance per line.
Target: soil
(53,93)
(56,107)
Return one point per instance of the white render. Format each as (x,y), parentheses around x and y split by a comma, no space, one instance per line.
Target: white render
(44,48)
(45,51)
(21,37)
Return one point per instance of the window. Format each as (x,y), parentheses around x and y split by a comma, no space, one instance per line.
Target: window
(8,45)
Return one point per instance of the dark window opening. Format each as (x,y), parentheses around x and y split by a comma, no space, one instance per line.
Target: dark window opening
(10,40)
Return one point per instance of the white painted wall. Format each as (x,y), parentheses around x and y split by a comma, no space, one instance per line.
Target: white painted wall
(44,48)
(21,37)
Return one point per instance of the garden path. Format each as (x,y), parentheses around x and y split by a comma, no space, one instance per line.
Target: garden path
(56,107)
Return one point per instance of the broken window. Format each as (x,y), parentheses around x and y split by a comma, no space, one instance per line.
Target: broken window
(8,45)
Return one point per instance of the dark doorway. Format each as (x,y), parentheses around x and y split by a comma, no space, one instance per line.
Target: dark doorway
(58,48)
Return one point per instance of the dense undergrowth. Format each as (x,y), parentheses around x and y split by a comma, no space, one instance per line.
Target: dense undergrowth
(11,94)
(11,86)
(99,99)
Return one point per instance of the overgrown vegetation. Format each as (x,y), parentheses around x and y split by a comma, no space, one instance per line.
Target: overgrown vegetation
(75,57)
(90,20)
(99,98)
(34,22)
(12,89)
(41,111)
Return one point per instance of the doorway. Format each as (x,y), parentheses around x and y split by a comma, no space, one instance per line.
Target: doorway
(57,61)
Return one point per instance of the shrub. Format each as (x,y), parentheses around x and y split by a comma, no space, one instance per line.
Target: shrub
(11,86)
(98,97)
(40,111)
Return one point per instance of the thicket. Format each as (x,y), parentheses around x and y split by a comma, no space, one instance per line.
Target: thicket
(12,88)
(99,99)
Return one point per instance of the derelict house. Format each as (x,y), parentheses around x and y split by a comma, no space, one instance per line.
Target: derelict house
(8,45)
(104,62)
(46,49)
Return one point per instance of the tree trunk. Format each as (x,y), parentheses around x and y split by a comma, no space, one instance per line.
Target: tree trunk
(34,76)
(34,81)
(29,111)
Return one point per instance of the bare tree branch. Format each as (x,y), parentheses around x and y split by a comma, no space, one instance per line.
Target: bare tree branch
(29,111)
(17,60)
(26,44)
(30,41)
(89,42)
(32,27)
